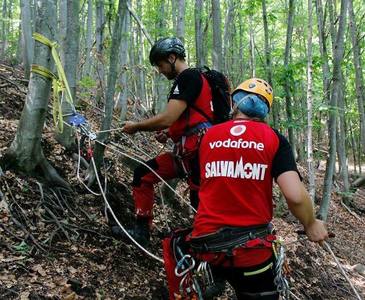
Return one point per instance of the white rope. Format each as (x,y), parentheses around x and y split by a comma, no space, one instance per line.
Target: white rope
(78,168)
(116,219)
(153,171)
(341,269)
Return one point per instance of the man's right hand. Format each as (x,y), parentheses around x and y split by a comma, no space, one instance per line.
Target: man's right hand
(161,137)
(317,231)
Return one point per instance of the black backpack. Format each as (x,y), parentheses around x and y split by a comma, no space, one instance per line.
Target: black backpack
(220,96)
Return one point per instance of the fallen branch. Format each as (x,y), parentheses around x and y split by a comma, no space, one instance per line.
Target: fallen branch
(28,235)
(359,182)
(351,212)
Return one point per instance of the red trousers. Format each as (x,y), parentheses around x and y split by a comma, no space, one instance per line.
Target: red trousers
(168,166)
(184,162)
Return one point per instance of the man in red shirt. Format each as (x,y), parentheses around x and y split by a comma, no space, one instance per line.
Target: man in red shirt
(185,127)
(238,161)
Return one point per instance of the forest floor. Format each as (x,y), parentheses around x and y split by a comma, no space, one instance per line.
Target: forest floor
(56,244)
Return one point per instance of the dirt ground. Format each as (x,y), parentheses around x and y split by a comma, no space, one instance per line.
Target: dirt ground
(56,244)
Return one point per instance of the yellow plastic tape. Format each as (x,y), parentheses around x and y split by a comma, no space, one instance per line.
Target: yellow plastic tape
(59,83)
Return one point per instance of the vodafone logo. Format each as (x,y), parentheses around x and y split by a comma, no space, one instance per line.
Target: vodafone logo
(238,130)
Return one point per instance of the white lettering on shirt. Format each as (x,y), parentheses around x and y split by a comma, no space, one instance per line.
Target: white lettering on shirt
(235,169)
(239,144)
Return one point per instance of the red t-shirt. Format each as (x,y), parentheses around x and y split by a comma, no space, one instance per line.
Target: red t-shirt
(238,161)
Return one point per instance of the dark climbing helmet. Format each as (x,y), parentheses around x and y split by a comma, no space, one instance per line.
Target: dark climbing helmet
(164,47)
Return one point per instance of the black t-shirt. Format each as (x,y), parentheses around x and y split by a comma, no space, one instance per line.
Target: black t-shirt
(284,159)
(187,86)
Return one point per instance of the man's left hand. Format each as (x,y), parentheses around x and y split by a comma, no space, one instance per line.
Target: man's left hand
(130,127)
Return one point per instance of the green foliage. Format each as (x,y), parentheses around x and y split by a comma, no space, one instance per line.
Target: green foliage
(23,248)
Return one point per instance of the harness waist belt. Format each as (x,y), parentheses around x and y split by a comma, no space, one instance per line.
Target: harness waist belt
(198,127)
(228,238)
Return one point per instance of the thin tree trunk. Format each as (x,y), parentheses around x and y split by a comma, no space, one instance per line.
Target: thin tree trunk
(353,147)
(89,30)
(141,82)
(227,36)
(198,10)
(62,26)
(25,152)
(4,31)
(71,60)
(180,25)
(288,80)
(217,35)
(311,174)
(326,74)
(335,94)
(252,48)
(160,83)
(112,78)
(100,71)
(123,95)
(268,65)
(359,79)
(28,44)
(341,144)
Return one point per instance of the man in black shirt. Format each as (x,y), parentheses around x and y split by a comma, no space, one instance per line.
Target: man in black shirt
(185,127)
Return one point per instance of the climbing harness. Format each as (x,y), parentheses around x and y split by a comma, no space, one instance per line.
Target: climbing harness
(187,277)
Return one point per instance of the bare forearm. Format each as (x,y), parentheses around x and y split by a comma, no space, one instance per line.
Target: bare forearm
(297,197)
(152,124)
(302,210)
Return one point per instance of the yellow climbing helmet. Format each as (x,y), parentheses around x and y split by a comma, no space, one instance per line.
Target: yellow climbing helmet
(257,86)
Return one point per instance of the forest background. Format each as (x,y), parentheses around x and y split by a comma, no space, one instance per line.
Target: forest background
(310,52)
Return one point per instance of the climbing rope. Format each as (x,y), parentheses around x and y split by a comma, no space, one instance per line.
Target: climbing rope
(327,246)
(116,219)
(153,171)
(87,132)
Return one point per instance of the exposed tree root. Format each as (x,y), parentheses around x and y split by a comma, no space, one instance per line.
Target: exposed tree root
(52,176)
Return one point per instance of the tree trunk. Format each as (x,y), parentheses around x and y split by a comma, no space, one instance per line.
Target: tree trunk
(123,95)
(252,48)
(62,26)
(89,30)
(100,72)
(141,82)
(217,35)
(4,31)
(341,143)
(335,93)
(25,152)
(112,78)
(326,74)
(227,36)
(160,84)
(28,43)
(359,80)
(71,59)
(311,174)
(288,77)
(180,25)
(268,65)
(200,61)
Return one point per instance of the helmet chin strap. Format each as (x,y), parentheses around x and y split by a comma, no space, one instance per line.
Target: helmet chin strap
(173,67)
(235,106)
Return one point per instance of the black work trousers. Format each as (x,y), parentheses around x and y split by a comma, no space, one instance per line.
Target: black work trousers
(248,287)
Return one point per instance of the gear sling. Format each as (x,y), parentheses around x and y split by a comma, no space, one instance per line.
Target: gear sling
(186,258)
